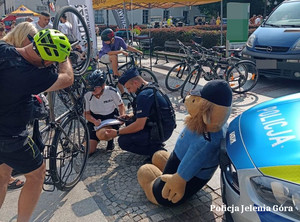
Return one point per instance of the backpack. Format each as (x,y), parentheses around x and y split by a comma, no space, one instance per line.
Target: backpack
(157,132)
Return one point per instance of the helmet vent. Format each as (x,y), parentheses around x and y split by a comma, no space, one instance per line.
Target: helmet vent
(49,38)
(63,46)
(55,52)
(47,50)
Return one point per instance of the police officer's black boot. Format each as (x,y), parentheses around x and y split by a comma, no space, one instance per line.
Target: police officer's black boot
(110,145)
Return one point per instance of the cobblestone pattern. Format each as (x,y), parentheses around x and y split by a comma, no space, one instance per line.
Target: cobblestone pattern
(111,180)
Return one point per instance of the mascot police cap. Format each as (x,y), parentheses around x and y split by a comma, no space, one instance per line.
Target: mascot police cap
(215,91)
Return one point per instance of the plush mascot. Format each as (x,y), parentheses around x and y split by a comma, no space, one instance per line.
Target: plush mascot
(173,178)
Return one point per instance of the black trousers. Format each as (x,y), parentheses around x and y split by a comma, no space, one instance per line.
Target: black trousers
(192,186)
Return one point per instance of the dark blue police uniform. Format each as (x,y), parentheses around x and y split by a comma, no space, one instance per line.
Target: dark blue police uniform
(144,142)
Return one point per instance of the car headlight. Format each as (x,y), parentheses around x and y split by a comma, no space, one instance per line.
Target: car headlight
(296,46)
(250,41)
(279,195)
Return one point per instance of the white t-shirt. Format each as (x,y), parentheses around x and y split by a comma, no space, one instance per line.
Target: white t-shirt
(106,104)
(39,28)
(257,21)
(65,28)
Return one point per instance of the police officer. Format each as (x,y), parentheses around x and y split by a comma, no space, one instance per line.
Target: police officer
(101,102)
(152,121)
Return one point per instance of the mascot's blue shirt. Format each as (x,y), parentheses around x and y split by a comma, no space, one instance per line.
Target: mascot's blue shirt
(199,157)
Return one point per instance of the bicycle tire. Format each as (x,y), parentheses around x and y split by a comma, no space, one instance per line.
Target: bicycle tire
(79,67)
(191,82)
(177,75)
(68,161)
(147,75)
(242,76)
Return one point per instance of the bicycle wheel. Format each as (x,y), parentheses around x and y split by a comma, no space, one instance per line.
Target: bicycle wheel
(177,75)
(69,152)
(79,62)
(147,75)
(191,82)
(242,76)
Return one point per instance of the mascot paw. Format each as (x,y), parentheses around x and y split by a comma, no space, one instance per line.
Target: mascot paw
(146,177)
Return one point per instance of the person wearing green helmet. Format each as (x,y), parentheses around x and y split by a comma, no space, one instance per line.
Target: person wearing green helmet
(52,45)
(26,71)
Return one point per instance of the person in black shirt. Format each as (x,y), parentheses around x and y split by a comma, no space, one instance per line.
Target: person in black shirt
(23,72)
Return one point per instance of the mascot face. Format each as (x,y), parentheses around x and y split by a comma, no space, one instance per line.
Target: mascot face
(205,116)
(192,104)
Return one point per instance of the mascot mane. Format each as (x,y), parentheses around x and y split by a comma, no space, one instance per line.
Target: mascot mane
(196,123)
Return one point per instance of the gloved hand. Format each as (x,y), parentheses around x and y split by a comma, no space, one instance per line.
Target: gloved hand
(174,188)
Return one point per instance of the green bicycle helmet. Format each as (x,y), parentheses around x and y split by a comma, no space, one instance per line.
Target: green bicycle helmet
(52,45)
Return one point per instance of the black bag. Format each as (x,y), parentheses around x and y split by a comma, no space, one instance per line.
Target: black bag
(40,107)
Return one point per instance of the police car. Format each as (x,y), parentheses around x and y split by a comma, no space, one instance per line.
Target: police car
(260,163)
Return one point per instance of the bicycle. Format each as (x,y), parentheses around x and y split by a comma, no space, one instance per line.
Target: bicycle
(241,75)
(178,73)
(64,141)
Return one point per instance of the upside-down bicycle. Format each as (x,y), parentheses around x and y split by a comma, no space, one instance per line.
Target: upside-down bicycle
(64,140)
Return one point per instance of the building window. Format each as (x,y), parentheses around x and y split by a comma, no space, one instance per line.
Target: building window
(145,16)
(99,18)
(166,14)
(185,17)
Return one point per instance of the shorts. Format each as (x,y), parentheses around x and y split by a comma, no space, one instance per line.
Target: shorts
(105,59)
(25,159)
(91,126)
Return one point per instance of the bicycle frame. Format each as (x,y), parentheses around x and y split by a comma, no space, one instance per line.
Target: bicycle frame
(54,126)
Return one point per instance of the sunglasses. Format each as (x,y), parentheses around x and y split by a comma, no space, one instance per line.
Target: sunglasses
(30,38)
(37,52)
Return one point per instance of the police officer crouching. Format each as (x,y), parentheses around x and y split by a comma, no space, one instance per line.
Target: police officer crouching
(152,121)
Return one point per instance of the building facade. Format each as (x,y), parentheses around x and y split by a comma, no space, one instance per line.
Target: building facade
(140,16)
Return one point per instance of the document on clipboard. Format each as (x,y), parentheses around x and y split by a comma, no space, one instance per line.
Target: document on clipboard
(108,122)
